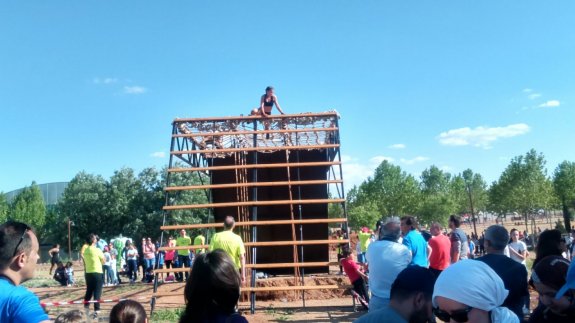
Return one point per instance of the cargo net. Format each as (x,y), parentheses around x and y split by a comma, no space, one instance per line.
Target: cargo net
(309,130)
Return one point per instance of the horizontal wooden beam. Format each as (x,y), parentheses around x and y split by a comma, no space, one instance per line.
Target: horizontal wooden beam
(251,132)
(257,117)
(259,148)
(265,244)
(252,223)
(268,289)
(252,184)
(282,288)
(251,203)
(261,266)
(251,166)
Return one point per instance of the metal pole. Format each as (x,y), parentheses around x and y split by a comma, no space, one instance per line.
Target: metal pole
(254,218)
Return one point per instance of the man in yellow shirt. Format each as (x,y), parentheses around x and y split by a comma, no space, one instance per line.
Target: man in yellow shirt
(183,255)
(199,240)
(232,244)
(364,240)
(93,261)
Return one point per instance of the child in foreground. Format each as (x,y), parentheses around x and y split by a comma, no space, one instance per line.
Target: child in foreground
(356,276)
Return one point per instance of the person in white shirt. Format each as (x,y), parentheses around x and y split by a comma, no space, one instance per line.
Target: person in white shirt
(386,258)
(517,248)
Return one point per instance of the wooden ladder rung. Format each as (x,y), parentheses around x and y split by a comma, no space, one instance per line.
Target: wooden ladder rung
(252,223)
(252,184)
(266,244)
(282,288)
(252,118)
(251,166)
(250,132)
(251,203)
(259,148)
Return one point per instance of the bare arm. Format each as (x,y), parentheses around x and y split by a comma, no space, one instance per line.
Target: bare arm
(455,245)
(520,254)
(278,105)
(429,251)
(243,264)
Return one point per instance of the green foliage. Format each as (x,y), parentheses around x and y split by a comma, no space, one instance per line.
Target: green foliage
(4,208)
(564,185)
(167,315)
(523,186)
(437,200)
(28,207)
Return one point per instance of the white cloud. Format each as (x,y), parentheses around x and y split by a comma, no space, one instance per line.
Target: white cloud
(446,168)
(397,146)
(550,104)
(481,136)
(534,96)
(135,89)
(158,154)
(105,80)
(415,160)
(527,90)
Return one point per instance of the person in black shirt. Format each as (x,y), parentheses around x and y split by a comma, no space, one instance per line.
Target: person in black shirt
(513,274)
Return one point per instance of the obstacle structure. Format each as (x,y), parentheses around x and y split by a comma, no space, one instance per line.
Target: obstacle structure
(276,175)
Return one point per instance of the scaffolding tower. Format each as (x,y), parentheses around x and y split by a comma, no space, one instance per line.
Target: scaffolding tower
(276,175)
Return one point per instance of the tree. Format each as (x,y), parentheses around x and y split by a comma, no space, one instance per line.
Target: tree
(564,185)
(437,202)
(83,202)
(28,207)
(4,208)
(475,188)
(523,186)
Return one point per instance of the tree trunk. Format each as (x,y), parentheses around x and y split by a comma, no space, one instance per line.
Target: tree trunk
(566,216)
(526,222)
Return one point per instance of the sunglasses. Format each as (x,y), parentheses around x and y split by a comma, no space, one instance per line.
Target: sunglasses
(457,316)
(20,242)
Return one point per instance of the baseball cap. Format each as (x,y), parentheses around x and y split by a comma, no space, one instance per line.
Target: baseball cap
(416,279)
(570,281)
(551,271)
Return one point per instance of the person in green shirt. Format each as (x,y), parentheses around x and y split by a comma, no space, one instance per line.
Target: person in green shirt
(199,240)
(183,255)
(364,240)
(232,244)
(93,261)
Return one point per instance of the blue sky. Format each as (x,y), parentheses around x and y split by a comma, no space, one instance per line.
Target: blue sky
(94,85)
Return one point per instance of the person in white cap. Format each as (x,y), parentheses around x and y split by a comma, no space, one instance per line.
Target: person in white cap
(478,300)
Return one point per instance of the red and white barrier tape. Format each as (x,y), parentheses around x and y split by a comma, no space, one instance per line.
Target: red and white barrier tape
(83,302)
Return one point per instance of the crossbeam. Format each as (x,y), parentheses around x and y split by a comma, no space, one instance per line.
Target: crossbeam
(244,149)
(252,223)
(257,117)
(252,166)
(253,184)
(265,244)
(251,203)
(251,132)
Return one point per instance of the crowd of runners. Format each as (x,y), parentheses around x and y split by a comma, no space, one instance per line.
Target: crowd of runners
(404,274)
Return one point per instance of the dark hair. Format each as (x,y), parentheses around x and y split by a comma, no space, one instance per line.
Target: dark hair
(456,220)
(128,311)
(72,316)
(229,222)
(213,287)
(345,251)
(548,245)
(410,221)
(269,88)
(13,241)
(90,238)
(497,236)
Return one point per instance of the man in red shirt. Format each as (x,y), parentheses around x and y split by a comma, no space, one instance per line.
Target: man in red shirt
(355,275)
(441,248)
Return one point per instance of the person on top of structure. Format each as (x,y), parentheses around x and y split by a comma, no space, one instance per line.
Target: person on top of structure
(232,244)
(267,102)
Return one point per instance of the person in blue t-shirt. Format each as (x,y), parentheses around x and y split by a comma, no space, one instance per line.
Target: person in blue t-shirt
(414,241)
(19,250)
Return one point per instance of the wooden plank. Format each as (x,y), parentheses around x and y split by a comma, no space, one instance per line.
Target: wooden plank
(282,288)
(251,166)
(259,148)
(251,203)
(252,223)
(266,244)
(253,184)
(257,117)
(251,132)
(262,266)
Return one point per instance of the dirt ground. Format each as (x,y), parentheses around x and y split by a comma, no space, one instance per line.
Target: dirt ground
(320,305)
